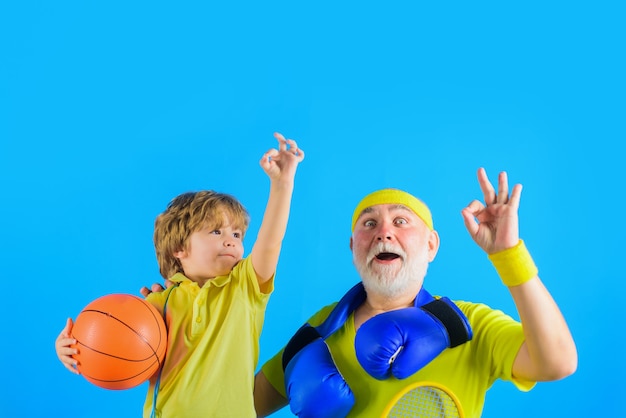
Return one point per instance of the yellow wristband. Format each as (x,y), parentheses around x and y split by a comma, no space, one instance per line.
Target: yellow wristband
(514,265)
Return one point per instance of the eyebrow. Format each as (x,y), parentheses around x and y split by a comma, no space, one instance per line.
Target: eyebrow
(393,207)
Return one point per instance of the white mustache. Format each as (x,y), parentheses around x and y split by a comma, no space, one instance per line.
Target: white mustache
(384,247)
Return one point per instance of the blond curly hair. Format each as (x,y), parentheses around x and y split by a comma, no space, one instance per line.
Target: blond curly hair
(188,213)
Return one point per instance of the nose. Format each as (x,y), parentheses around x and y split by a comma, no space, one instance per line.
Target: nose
(384,233)
(384,237)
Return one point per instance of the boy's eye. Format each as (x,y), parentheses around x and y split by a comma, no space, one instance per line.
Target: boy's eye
(216,232)
(237,234)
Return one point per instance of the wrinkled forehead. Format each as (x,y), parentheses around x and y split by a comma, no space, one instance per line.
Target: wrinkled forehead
(377,209)
(393,197)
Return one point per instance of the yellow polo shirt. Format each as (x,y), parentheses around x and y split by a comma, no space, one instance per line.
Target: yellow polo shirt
(468,370)
(213,346)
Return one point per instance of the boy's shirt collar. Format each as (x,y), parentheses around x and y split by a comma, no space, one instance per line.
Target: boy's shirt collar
(218,281)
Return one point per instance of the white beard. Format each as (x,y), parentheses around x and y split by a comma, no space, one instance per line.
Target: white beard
(383,281)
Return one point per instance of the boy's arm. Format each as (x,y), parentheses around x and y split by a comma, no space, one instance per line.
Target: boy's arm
(280,166)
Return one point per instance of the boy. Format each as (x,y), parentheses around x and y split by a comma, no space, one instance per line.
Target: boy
(214,311)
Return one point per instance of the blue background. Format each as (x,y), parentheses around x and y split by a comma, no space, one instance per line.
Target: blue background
(110,109)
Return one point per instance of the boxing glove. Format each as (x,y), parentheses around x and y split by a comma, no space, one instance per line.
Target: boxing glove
(401,342)
(314,386)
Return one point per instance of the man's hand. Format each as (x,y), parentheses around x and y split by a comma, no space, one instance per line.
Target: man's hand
(494,225)
(156,287)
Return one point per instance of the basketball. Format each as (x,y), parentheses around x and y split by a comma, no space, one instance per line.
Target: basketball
(121,341)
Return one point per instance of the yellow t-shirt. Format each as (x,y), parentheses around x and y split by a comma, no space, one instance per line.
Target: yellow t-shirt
(213,346)
(468,370)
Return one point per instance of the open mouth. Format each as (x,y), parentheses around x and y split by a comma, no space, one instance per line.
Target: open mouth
(387,256)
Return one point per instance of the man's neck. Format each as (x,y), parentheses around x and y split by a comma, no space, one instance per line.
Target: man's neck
(375,304)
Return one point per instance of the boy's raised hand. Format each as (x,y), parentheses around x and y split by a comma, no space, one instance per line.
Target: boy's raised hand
(282,162)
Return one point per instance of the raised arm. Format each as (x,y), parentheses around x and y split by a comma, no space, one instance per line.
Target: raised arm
(549,351)
(280,165)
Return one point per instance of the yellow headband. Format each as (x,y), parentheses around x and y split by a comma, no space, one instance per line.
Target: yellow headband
(394,197)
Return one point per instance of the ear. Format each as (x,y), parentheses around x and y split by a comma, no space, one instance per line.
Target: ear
(180,254)
(433,245)
(350,243)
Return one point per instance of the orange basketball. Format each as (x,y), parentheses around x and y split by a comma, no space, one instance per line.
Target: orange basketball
(121,341)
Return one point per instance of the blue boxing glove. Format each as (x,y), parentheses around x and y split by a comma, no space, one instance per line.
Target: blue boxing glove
(315,388)
(401,342)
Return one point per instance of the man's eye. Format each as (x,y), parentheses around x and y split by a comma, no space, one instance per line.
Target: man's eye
(369,223)
(401,221)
